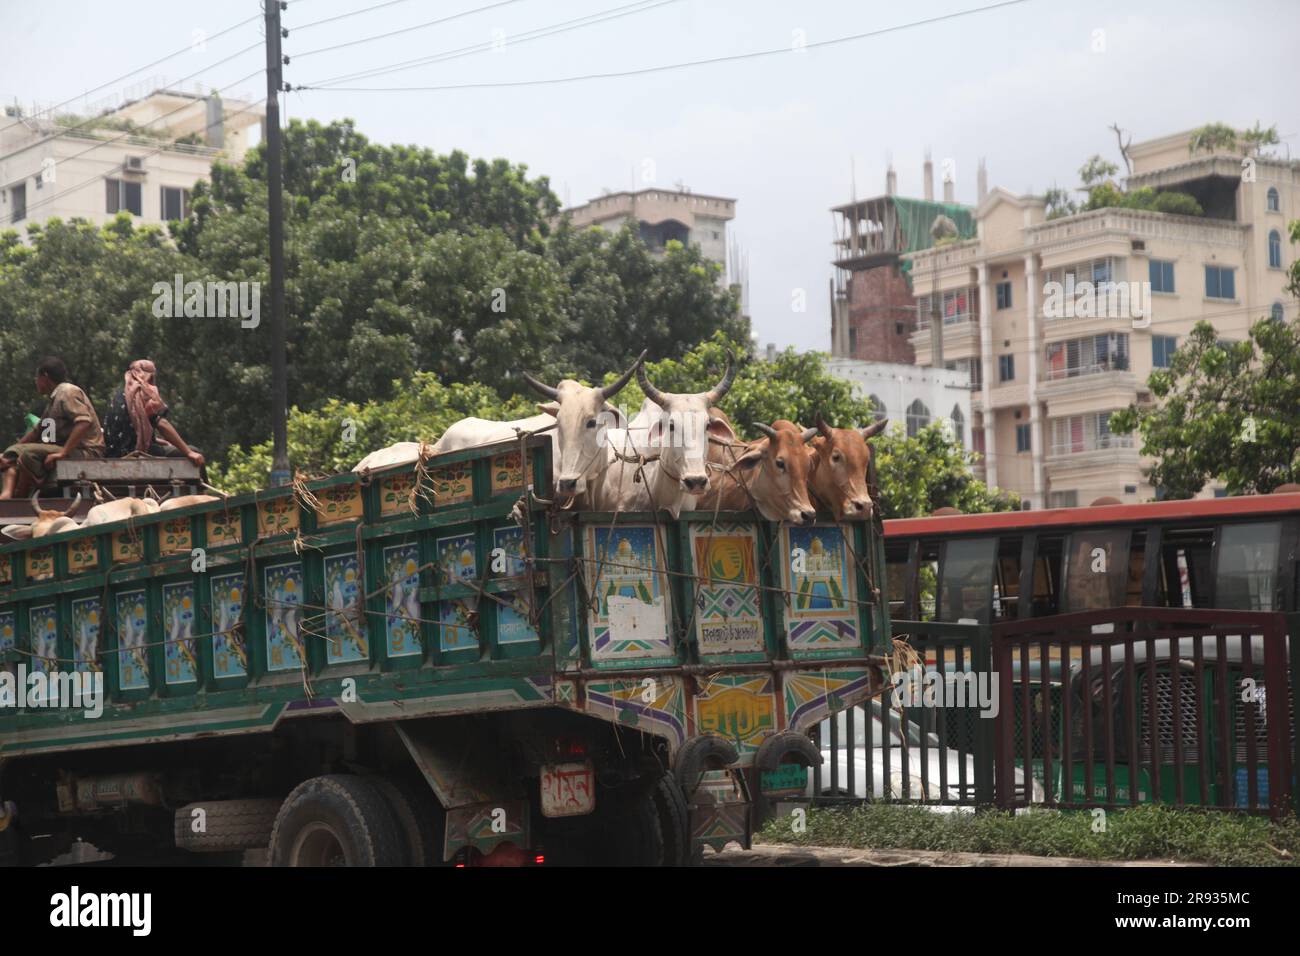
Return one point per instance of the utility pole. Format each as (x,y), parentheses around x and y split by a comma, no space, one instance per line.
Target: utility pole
(280,474)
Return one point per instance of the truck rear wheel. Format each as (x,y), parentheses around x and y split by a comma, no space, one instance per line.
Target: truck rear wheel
(420,818)
(674,820)
(335,820)
(636,833)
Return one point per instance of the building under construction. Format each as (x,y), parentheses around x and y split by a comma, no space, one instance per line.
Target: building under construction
(873,311)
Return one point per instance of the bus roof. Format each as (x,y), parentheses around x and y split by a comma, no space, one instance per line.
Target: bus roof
(1209,508)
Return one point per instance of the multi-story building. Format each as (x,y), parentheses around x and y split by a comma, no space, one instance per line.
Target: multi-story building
(143,157)
(663,215)
(1054,366)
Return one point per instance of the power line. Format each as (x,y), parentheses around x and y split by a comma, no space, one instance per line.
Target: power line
(64,131)
(754,54)
(344,16)
(153,152)
(418,26)
(615,13)
(148,66)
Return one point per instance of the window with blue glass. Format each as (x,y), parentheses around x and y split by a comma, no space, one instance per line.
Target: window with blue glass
(1023,443)
(1273,204)
(1162,275)
(1006,368)
(1275,250)
(1219,283)
(1004,295)
(1162,350)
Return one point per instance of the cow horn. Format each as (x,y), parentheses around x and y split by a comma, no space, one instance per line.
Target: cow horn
(824,428)
(715,394)
(613,388)
(651,392)
(808,435)
(875,428)
(36,501)
(542,387)
(767,430)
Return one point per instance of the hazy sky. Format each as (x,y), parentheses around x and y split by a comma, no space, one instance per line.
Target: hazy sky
(1020,85)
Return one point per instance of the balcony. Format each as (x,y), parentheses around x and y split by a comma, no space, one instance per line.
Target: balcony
(1089,445)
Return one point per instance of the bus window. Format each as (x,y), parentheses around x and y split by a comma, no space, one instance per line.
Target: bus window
(1006,585)
(896,581)
(1097,569)
(1047,576)
(1185,574)
(1137,563)
(927,579)
(1247,573)
(967,580)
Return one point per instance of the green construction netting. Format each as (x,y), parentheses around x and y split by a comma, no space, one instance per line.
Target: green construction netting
(916,216)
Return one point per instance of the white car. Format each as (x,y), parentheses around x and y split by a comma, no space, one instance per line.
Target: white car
(900,787)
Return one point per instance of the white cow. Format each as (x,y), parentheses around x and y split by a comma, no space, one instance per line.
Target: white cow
(47,521)
(119,510)
(668,443)
(576,418)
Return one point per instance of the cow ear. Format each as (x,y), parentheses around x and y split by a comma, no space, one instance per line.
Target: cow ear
(875,428)
(721,429)
(550,408)
(751,458)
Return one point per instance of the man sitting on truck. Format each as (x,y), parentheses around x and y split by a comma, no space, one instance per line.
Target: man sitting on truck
(71,422)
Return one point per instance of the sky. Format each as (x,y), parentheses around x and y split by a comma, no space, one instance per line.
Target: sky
(1032,86)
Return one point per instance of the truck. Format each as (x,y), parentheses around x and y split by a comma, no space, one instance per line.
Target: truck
(424,665)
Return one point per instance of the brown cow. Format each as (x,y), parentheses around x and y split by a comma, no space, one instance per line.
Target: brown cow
(769,475)
(840,459)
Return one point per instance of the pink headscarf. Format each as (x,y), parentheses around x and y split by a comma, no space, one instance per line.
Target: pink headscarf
(142,401)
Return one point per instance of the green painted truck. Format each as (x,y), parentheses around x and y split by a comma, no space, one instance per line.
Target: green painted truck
(423,665)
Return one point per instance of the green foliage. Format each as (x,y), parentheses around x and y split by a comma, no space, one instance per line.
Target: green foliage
(1224,412)
(928,471)
(1213,137)
(1059,203)
(1138,833)
(1108,196)
(398,261)
(1096,171)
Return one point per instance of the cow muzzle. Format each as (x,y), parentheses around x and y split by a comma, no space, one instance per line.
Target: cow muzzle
(695,484)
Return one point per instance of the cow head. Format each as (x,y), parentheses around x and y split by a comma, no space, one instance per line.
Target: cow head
(775,470)
(680,435)
(841,458)
(582,417)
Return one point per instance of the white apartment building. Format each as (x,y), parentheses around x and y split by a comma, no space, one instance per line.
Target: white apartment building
(1048,377)
(127,159)
(909,396)
(663,215)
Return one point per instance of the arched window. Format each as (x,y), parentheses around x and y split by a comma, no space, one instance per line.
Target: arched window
(918,416)
(959,425)
(1275,250)
(1276,312)
(1273,205)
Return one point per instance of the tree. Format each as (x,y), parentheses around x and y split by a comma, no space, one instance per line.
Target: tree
(1096,171)
(1059,203)
(1226,412)
(929,471)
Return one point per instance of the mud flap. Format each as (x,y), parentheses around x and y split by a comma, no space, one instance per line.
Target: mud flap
(720,810)
(486,826)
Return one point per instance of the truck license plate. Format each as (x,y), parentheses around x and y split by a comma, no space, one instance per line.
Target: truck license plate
(568,789)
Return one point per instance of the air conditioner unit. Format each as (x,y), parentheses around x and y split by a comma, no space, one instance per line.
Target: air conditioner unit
(133,164)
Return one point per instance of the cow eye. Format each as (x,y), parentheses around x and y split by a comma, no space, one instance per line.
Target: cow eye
(780,463)
(837,457)
(591,423)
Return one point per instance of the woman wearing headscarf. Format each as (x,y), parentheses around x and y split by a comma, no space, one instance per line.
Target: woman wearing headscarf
(137,422)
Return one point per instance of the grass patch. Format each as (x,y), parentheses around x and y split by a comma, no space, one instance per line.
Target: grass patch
(1139,833)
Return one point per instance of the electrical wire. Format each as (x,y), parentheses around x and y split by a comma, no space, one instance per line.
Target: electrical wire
(411,29)
(662,68)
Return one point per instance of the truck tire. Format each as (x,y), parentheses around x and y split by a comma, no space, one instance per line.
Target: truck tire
(335,820)
(634,830)
(229,825)
(420,819)
(674,820)
(698,754)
